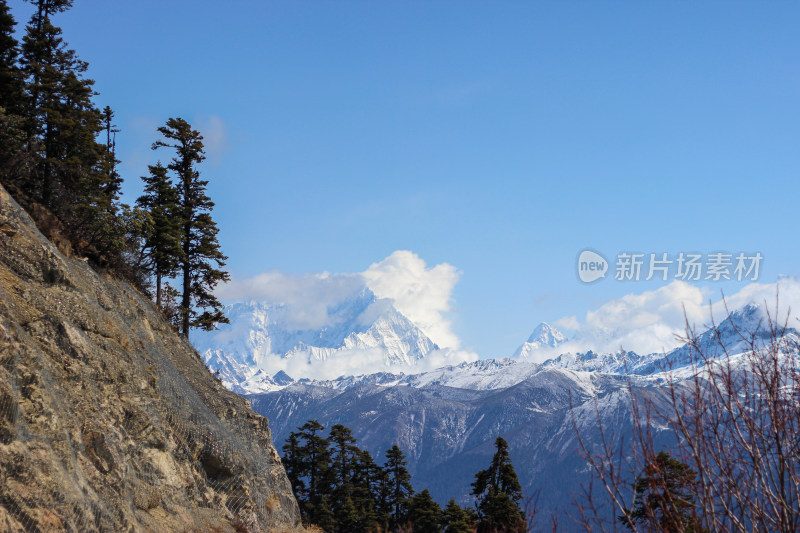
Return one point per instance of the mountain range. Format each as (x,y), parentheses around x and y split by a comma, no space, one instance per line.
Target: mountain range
(447,419)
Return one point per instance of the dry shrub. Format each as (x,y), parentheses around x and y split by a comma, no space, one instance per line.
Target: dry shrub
(736,421)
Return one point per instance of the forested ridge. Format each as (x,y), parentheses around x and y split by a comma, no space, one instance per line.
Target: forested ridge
(341,488)
(59,161)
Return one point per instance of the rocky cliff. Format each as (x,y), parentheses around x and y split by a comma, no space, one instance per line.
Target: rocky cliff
(108,420)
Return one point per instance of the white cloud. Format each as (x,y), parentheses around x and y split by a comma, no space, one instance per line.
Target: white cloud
(655,321)
(568,322)
(422,294)
(308,298)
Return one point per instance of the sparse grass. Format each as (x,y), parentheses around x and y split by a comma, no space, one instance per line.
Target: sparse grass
(273,503)
(298,529)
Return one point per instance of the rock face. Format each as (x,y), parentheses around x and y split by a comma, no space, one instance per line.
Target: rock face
(109,421)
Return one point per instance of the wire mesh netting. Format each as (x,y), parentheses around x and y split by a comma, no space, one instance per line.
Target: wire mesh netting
(108,420)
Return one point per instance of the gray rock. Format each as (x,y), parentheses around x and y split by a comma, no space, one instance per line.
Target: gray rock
(109,421)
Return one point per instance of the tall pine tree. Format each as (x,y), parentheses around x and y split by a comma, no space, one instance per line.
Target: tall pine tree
(664,498)
(365,479)
(424,514)
(201,260)
(455,519)
(307,461)
(62,126)
(162,236)
(111,182)
(12,137)
(499,494)
(60,114)
(400,489)
(10,75)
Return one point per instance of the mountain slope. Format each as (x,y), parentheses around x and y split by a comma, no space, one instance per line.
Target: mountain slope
(448,433)
(108,420)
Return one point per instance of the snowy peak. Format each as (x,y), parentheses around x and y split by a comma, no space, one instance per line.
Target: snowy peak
(282,378)
(543,336)
(263,337)
(750,320)
(403,342)
(546,335)
(742,330)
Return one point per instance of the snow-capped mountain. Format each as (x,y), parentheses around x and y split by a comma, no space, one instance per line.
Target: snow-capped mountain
(446,420)
(446,423)
(743,330)
(543,336)
(250,353)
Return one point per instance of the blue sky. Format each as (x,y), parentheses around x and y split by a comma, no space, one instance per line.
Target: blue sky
(499,137)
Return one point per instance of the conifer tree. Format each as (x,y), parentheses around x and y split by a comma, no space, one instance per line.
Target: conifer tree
(347,517)
(70,174)
(99,208)
(353,473)
(112,182)
(10,75)
(342,445)
(307,462)
(319,474)
(424,514)
(455,519)
(400,489)
(499,492)
(162,236)
(14,160)
(294,464)
(664,498)
(318,458)
(12,139)
(62,121)
(381,490)
(364,495)
(343,451)
(202,260)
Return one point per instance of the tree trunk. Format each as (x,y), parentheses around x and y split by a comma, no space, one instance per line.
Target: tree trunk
(186,301)
(158,288)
